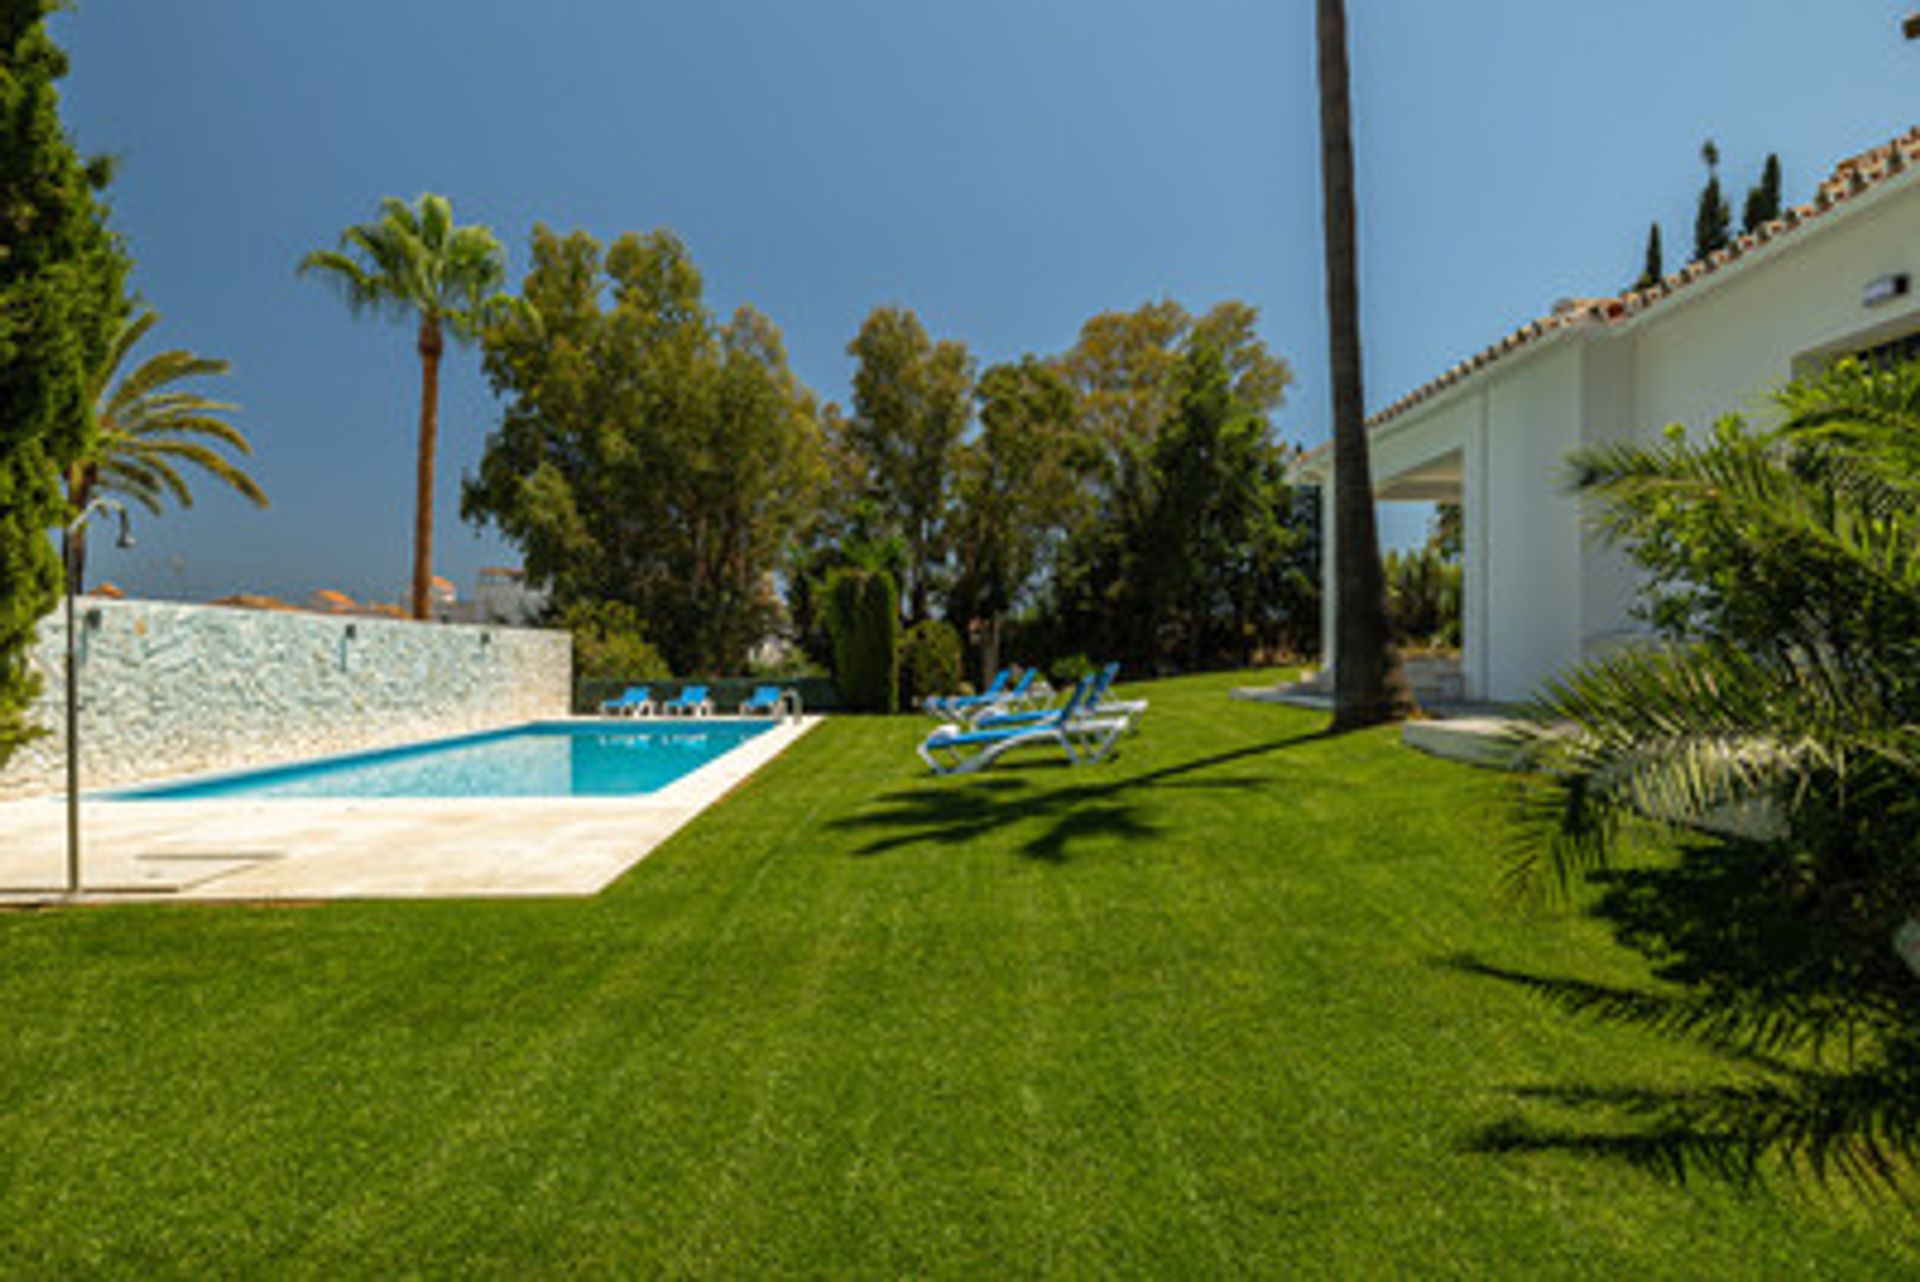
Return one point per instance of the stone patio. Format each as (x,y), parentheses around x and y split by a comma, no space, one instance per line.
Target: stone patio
(359,849)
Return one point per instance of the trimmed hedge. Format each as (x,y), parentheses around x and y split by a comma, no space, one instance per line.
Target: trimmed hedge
(863,617)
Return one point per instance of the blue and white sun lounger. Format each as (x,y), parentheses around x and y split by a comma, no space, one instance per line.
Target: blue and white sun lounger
(634,701)
(692,701)
(971,708)
(1094,704)
(956,750)
(951,707)
(770,701)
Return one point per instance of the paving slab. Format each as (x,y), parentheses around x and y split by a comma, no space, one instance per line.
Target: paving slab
(272,849)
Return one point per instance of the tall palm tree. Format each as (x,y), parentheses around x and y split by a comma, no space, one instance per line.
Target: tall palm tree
(413,263)
(1369,684)
(146,426)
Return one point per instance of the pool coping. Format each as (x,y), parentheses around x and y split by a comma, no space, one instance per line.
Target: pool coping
(306,849)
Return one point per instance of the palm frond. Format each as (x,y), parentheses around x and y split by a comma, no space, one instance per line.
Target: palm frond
(414,261)
(147,423)
(131,480)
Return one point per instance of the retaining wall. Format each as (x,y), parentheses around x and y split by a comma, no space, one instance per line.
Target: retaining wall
(168,689)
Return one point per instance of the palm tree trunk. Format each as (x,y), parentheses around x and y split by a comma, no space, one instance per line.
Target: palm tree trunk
(1369,684)
(431,346)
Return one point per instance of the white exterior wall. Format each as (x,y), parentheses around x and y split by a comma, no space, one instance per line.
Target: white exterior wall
(1532,525)
(1609,581)
(1701,357)
(171,689)
(1541,592)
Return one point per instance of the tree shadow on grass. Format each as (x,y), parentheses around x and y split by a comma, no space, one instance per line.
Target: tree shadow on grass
(1818,1034)
(952,812)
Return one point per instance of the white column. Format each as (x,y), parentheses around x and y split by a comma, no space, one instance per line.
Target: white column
(1476,646)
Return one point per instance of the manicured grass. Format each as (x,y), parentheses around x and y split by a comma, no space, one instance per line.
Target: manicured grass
(1183,1013)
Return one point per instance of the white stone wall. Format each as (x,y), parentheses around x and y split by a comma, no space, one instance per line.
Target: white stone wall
(169,689)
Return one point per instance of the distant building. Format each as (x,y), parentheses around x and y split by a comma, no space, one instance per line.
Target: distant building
(500,595)
(252,601)
(328,601)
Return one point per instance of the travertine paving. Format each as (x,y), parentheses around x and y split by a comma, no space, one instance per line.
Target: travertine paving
(349,849)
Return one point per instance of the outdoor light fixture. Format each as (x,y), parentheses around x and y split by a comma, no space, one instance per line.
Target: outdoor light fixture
(1885,289)
(71,548)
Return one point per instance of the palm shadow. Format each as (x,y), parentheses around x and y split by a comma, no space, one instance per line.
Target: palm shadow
(1817,1034)
(955,812)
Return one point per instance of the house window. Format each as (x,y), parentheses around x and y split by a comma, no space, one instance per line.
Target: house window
(1885,356)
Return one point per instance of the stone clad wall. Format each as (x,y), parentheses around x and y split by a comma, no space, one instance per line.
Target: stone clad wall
(170,689)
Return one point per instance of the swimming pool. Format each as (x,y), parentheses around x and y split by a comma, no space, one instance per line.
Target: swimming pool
(545,759)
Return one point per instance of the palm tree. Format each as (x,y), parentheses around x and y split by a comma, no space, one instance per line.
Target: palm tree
(412,263)
(1786,568)
(146,426)
(1369,683)
(1783,706)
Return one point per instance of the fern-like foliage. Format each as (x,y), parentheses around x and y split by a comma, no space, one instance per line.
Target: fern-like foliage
(1780,709)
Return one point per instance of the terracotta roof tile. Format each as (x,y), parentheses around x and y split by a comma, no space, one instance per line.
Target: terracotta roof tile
(1850,178)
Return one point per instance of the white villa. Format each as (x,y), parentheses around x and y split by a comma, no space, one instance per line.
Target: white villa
(1828,279)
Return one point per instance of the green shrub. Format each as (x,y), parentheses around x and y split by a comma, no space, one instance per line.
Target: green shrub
(863,617)
(931,661)
(1068,671)
(609,643)
(1423,597)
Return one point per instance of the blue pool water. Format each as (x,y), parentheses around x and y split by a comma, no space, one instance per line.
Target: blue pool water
(541,760)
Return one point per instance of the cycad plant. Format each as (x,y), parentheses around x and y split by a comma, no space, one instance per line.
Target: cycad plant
(147,427)
(1782,705)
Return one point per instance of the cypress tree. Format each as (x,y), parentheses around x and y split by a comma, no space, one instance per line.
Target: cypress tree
(1713,221)
(1653,269)
(863,615)
(62,282)
(1763,201)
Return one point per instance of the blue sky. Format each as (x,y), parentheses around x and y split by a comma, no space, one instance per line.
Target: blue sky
(1004,168)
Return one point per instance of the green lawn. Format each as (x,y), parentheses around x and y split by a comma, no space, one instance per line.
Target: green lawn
(1183,1013)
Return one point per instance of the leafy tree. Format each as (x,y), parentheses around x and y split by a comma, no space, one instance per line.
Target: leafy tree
(146,427)
(62,283)
(1763,199)
(647,453)
(912,398)
(1122,368)
(1018,494)
(843,532)
(1712,220)
(1369,683)
(610,642)
(1423,592)
(1217,531)
(1208,559)
(1448,535)
(1653,269)
(413,264)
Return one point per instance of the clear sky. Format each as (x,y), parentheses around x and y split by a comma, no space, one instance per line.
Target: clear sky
(1004,167)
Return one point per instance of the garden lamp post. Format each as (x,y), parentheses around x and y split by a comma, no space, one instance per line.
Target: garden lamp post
(70,545)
